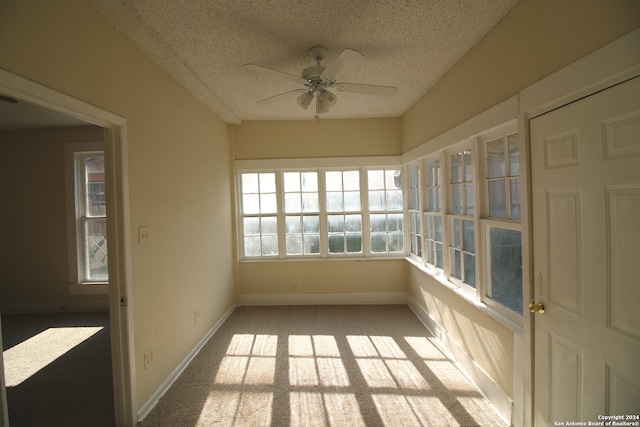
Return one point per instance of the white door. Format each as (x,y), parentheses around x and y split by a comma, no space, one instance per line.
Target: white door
(586,226)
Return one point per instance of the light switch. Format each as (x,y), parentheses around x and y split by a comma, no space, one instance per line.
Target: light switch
(143,234)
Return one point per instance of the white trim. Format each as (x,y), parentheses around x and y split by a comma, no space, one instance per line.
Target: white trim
(469,368)
(320,162)
(166,384)
(55,307)
(119,238)
(488,123)
(324,298)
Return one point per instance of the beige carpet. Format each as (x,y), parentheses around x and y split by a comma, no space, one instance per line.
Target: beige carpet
(322,366)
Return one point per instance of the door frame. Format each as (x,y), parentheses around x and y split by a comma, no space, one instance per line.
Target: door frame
(118,230)
(612,64)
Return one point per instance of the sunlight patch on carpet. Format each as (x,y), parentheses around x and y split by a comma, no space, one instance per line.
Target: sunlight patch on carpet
(29,357)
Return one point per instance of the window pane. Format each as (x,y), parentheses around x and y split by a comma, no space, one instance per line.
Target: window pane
(497,199)
(334,181)
(353,223)
(352,201)
(506,267)
(270,245)
(376,179)
(395,222)
(495,159)
(96,246)
(378,222)
(94,181)
(378,242)
(439,258)
(250,183)
(335,223)
(311,223)
(515,198)
(252,246)
(354,243)
(310,181)
(334,202)
(292,224)
(430,231)
(292,202)
(455,234)
(250,203)
(351,180)
(456,268)
(469,200)
(294,244)
(456,167)
(336,243)
(268,203)
(393,179)
(310,202)
(376,200)
(291,181)
(470,270)
(468,166)
(269,225)
(394,200)
(267,182)
(468,238)
(396,242)
(514,155)
(251,226)
(438,224)
(312,244)
(456,198)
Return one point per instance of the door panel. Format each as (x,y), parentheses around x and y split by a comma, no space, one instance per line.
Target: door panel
(586,234)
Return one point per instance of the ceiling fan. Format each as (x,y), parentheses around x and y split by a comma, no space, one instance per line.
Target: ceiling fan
(317,80)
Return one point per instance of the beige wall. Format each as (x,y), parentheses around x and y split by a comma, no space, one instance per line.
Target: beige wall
(535,39)
(179,171)
(309,138)
(33,221)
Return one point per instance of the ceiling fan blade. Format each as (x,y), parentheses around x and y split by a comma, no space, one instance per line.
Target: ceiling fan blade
(348,58)
(278,97)
(271,72)
(367,89)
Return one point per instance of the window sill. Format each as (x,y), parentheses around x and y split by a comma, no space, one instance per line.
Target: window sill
(89,289)
(461,292)
(330,258)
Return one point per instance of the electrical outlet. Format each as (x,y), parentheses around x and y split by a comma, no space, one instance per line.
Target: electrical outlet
(143,234)
(148,359)
(196,315)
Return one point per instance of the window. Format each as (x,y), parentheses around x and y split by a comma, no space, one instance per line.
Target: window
(321,213)
(433,216)
(503,231)
(259,209)
(302,208)
(462,265)
(386,211)
(415,212)
(87,218)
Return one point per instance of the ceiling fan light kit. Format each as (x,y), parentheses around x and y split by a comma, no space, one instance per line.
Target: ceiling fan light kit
(318,79)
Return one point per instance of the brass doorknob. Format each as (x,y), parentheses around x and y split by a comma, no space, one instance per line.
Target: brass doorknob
(536,307)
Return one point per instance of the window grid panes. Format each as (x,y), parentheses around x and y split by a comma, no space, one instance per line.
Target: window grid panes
(302,208)
(415,212)
(462,250)
(259,209)
(386,211)
(505,267)
(461,169)
(433,217)
(92,216)
(503,177)
(344,217)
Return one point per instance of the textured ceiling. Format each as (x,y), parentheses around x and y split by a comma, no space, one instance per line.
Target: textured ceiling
(204,43)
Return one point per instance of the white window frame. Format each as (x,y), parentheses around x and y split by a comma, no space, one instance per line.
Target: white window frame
(321,166)
(79,284)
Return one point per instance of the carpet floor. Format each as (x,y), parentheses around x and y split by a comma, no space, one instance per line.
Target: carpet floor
(58,369)
(322,366)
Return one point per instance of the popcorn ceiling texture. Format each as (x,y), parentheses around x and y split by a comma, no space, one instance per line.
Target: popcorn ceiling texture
(203,44)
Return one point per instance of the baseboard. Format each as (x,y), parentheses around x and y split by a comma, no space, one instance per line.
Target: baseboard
(55,307)
(145,409)
(489,388)
(324,298)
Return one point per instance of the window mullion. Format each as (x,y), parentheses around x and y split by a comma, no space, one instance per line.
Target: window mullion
(322,201)
(446,212)
(364,212)
(475,159)
(280,215)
